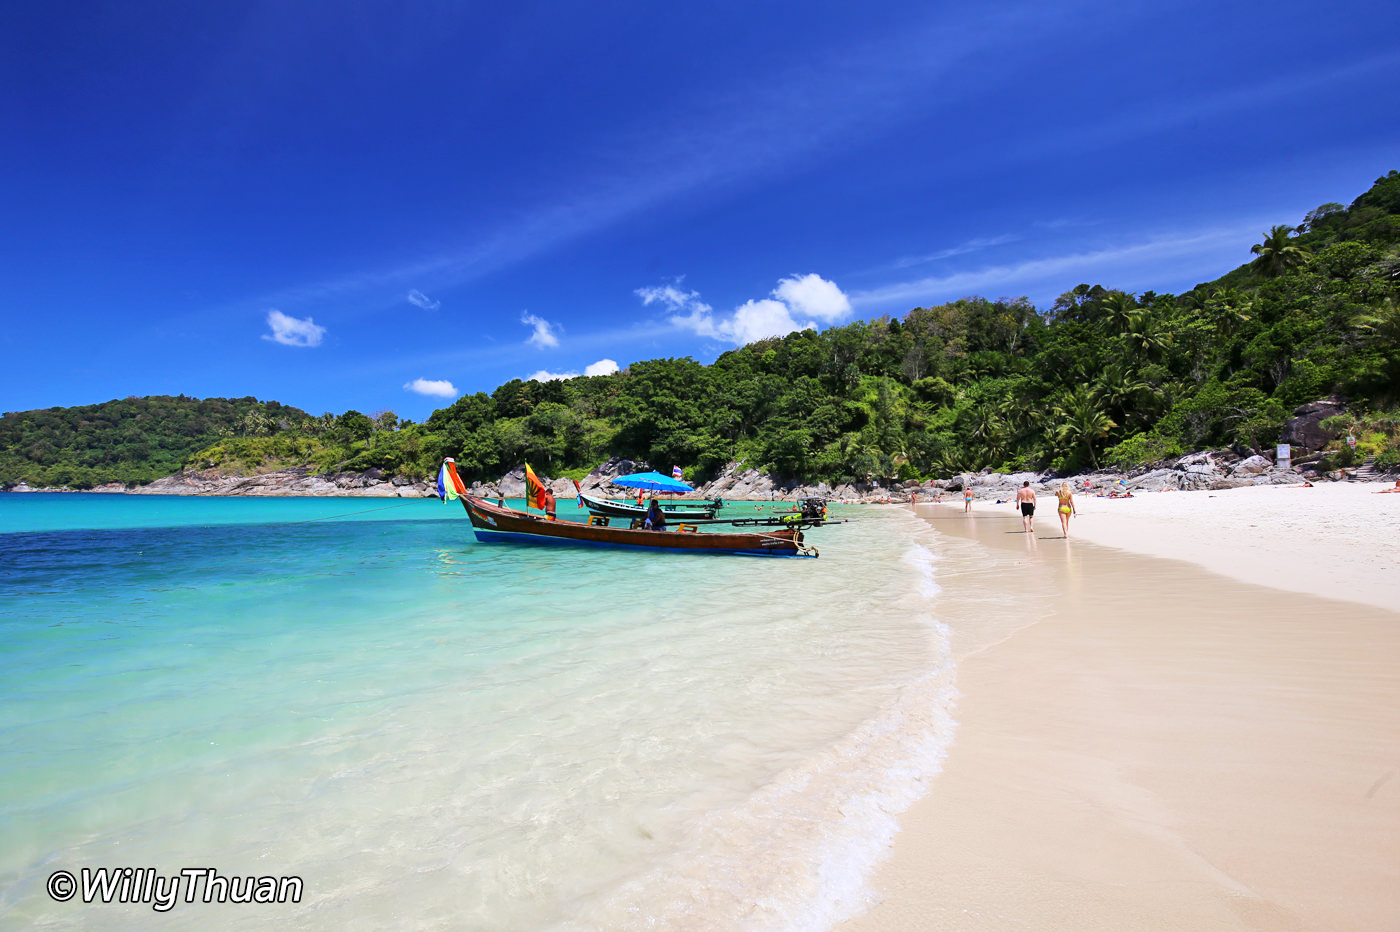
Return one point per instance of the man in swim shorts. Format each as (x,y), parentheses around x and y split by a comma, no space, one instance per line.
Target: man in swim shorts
(1025,498)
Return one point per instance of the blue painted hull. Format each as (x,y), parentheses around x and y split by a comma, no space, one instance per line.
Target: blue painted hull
(507,537)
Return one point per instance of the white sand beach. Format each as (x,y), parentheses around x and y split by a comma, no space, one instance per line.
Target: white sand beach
(1340,540)
(1195,723)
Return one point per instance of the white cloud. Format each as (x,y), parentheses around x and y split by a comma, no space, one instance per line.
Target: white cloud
(758,320)
(815,296)
(436,388)
(601,367)
(290,331)
(544,335)
(805,296)
(672,297)
(421,300)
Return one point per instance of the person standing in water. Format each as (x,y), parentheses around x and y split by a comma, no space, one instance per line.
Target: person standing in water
(967,498)
(1025,498)
(1066,498)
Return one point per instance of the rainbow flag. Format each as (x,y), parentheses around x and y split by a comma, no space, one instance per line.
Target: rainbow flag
(449,484)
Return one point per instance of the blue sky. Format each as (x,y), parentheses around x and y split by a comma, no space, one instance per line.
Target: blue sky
(379,205)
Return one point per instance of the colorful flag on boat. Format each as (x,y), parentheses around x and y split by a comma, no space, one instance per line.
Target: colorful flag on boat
(534,489)
(449,484)
(579,490)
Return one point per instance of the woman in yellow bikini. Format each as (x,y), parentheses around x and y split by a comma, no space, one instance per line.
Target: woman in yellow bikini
(1066,497)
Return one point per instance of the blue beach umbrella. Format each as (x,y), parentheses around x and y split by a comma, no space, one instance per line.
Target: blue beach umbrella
(653,481)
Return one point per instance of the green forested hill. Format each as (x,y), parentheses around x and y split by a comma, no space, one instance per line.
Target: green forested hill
(1101,376)
(133,440)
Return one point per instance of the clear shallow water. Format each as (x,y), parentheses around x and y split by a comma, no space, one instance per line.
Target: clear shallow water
(436,734)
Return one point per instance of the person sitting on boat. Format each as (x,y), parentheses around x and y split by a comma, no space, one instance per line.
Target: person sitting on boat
(656,519)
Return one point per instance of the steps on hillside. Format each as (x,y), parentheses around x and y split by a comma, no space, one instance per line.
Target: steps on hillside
(1366,472)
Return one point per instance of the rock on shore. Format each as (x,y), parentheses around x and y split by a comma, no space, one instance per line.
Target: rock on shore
(300,481)
(1220,469)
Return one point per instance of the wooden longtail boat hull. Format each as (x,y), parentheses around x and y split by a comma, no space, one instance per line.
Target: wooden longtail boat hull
(492,524)
(674,511)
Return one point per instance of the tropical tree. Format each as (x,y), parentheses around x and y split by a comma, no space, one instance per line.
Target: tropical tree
(1082,423)
(1229,309)
(1145,334)
(1277,254)
(1381,325)
(1118,387)
(1116,308)
(987,427)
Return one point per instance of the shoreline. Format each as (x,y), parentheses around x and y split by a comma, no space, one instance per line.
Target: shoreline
(1332,540)
(1154,745)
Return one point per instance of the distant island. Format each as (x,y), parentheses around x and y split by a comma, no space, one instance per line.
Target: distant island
(1103,378)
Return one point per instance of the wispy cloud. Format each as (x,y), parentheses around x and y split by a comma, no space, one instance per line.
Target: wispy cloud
(768,117)
(808,296)
(963,249)
(1140,119)
(291,331)
(419,299)
(1165,258)
(433,388)
(544,335)
(601,367)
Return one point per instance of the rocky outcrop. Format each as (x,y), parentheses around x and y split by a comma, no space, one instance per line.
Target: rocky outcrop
(1253,466)
(287,482)
(1216,469)
(1304,431)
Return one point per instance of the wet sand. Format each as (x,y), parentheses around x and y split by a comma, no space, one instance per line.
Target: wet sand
(1144,744)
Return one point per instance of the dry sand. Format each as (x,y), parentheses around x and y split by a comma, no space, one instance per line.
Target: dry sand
(1338,540)
(1146,744)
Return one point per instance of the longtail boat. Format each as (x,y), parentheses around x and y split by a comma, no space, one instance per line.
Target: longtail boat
(494,523)
(678,511)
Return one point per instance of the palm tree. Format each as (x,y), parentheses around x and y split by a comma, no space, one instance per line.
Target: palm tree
(1195,299)
(1228,309)
(1382,324)
(1145,334)
(1277,254)
(1117,388)
(255,424)
(1116,308)
(988,428)
(1082,423)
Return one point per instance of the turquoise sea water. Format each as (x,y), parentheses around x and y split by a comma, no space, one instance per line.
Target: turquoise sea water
(438,734)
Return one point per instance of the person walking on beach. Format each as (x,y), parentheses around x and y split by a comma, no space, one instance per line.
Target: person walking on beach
(1066,497)
(967,498)
(1025,498)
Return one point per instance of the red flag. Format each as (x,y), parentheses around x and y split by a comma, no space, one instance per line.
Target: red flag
(534,489)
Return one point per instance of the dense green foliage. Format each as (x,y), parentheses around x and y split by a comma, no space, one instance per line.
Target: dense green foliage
(133,440)
(1101,377)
